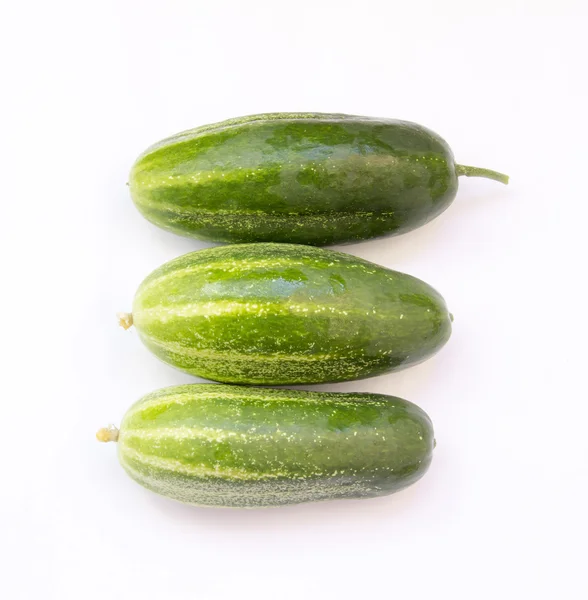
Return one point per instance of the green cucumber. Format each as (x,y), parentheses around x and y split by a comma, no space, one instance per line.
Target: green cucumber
(232,446)
(286,314)
(304,178)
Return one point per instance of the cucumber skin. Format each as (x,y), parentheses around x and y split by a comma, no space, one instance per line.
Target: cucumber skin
(277,314)
(232,446)
(304,178)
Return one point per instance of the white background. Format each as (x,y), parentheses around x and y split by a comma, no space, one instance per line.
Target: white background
(88,85)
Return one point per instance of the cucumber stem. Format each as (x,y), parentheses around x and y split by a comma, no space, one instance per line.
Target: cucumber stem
(125,320)
(107,434)
(478,172)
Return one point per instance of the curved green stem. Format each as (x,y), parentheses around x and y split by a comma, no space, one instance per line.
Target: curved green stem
(478,172)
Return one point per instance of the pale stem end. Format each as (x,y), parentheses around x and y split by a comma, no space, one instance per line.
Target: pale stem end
(107,434)
(125,320)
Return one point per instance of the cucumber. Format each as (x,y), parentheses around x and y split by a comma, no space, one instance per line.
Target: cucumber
(305,178)
(232,446)
(286,314)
